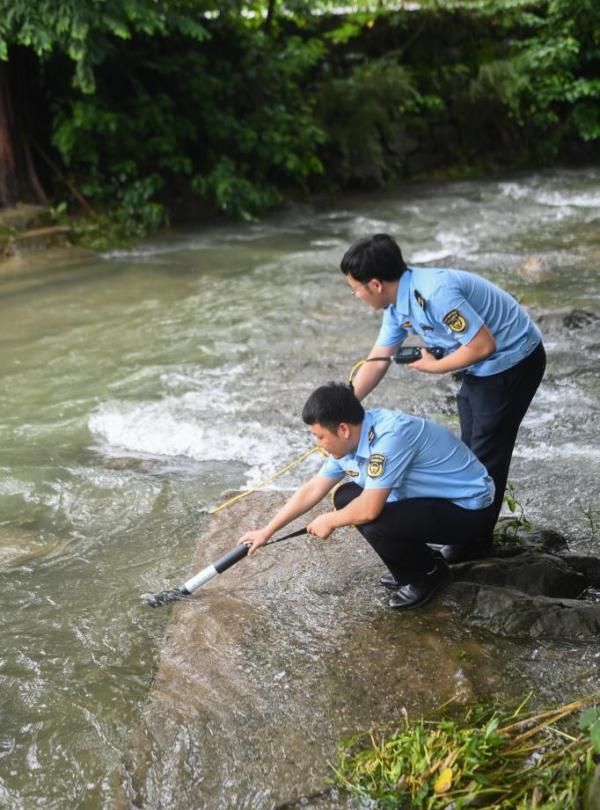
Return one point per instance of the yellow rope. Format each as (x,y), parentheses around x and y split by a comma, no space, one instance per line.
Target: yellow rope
(354,369)
(267,480)
(215,509)
(360,363)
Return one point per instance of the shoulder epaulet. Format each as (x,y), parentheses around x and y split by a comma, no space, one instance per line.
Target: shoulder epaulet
(420,300)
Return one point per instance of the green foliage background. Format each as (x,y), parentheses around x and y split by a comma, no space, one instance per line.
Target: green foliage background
(154,109)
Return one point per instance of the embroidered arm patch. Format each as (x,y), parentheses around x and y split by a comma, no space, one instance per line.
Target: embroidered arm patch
(455,321)
(376,465)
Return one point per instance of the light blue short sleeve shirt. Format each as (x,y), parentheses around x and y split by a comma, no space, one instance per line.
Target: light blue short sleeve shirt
(416,458)
(448,307)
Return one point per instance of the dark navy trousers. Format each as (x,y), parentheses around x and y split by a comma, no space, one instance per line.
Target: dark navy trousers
(491,410)
(400,534)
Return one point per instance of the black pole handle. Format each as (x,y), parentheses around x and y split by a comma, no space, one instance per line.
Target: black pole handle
(228,559)
(224,562)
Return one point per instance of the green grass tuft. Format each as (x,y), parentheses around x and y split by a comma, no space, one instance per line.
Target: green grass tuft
(489,757)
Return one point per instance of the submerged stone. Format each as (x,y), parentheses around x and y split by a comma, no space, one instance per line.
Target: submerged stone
(20,545)
(534,269)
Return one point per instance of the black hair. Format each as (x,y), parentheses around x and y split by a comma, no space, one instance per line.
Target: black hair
(376,256)
(331,404)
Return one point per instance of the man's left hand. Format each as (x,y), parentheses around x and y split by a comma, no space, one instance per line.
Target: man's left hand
(427,362)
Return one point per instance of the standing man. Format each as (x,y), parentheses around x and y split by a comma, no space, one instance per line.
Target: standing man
(486,334)
(412,482)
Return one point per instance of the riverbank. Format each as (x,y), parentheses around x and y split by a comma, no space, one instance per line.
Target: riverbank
(26,229)
(266,669)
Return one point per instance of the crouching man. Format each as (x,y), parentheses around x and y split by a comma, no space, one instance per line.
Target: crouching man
(412,483)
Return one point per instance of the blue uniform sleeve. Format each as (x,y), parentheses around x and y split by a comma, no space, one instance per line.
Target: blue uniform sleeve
(386,466)
(331,469)
(390,333)
(452,311)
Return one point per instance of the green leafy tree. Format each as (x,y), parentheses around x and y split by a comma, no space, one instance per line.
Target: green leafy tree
(148,106)
(167,99)
(84,31)
(229,123)
(546,84)
(372,117)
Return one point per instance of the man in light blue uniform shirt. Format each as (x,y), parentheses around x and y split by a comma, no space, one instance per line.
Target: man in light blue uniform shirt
(449,307)
(414,458)
(484,332)
(411,482)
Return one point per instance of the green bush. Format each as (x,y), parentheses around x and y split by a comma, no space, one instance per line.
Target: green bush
(545,87)
(230,123)
(156,107)
(364,114)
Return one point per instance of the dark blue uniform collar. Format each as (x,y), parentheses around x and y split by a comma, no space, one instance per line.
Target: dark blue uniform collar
(367,437)
(403,294)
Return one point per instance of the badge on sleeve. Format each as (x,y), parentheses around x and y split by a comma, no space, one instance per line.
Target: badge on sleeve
(455,321)
(420,300)
(376,465)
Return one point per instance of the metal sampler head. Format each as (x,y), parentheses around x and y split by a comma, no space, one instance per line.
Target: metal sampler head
(164,597)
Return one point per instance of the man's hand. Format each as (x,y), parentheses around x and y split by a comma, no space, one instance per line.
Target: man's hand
(321,526)
(427,362)
(477,349)
(257,538)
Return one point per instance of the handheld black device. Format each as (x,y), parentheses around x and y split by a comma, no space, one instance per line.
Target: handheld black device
(409,354)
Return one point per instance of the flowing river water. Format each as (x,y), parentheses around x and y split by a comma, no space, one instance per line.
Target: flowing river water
(140,386)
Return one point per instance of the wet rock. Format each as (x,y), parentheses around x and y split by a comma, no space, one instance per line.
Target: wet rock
(512,539)
(514,614)
(569,320)
(530,573)
(266,668)
(579,318)
(588,566)
(120,463)
(531,595)
(35,240)
(24,215)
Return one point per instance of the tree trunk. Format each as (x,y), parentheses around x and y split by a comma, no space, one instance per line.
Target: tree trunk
(270,15)
(19,180)
(9,183)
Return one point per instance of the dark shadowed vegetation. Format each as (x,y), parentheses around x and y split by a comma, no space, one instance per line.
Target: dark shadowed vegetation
(146,112)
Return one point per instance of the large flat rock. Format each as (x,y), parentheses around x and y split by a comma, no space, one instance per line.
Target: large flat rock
(273,662)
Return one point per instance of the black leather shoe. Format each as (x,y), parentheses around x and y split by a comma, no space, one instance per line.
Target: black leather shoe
(389,581)
(418,593)
(459,552)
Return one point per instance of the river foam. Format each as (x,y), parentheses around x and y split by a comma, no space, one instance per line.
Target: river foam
(170,429)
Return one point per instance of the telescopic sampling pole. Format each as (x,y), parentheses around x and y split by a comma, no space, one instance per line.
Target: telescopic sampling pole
(224,562)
